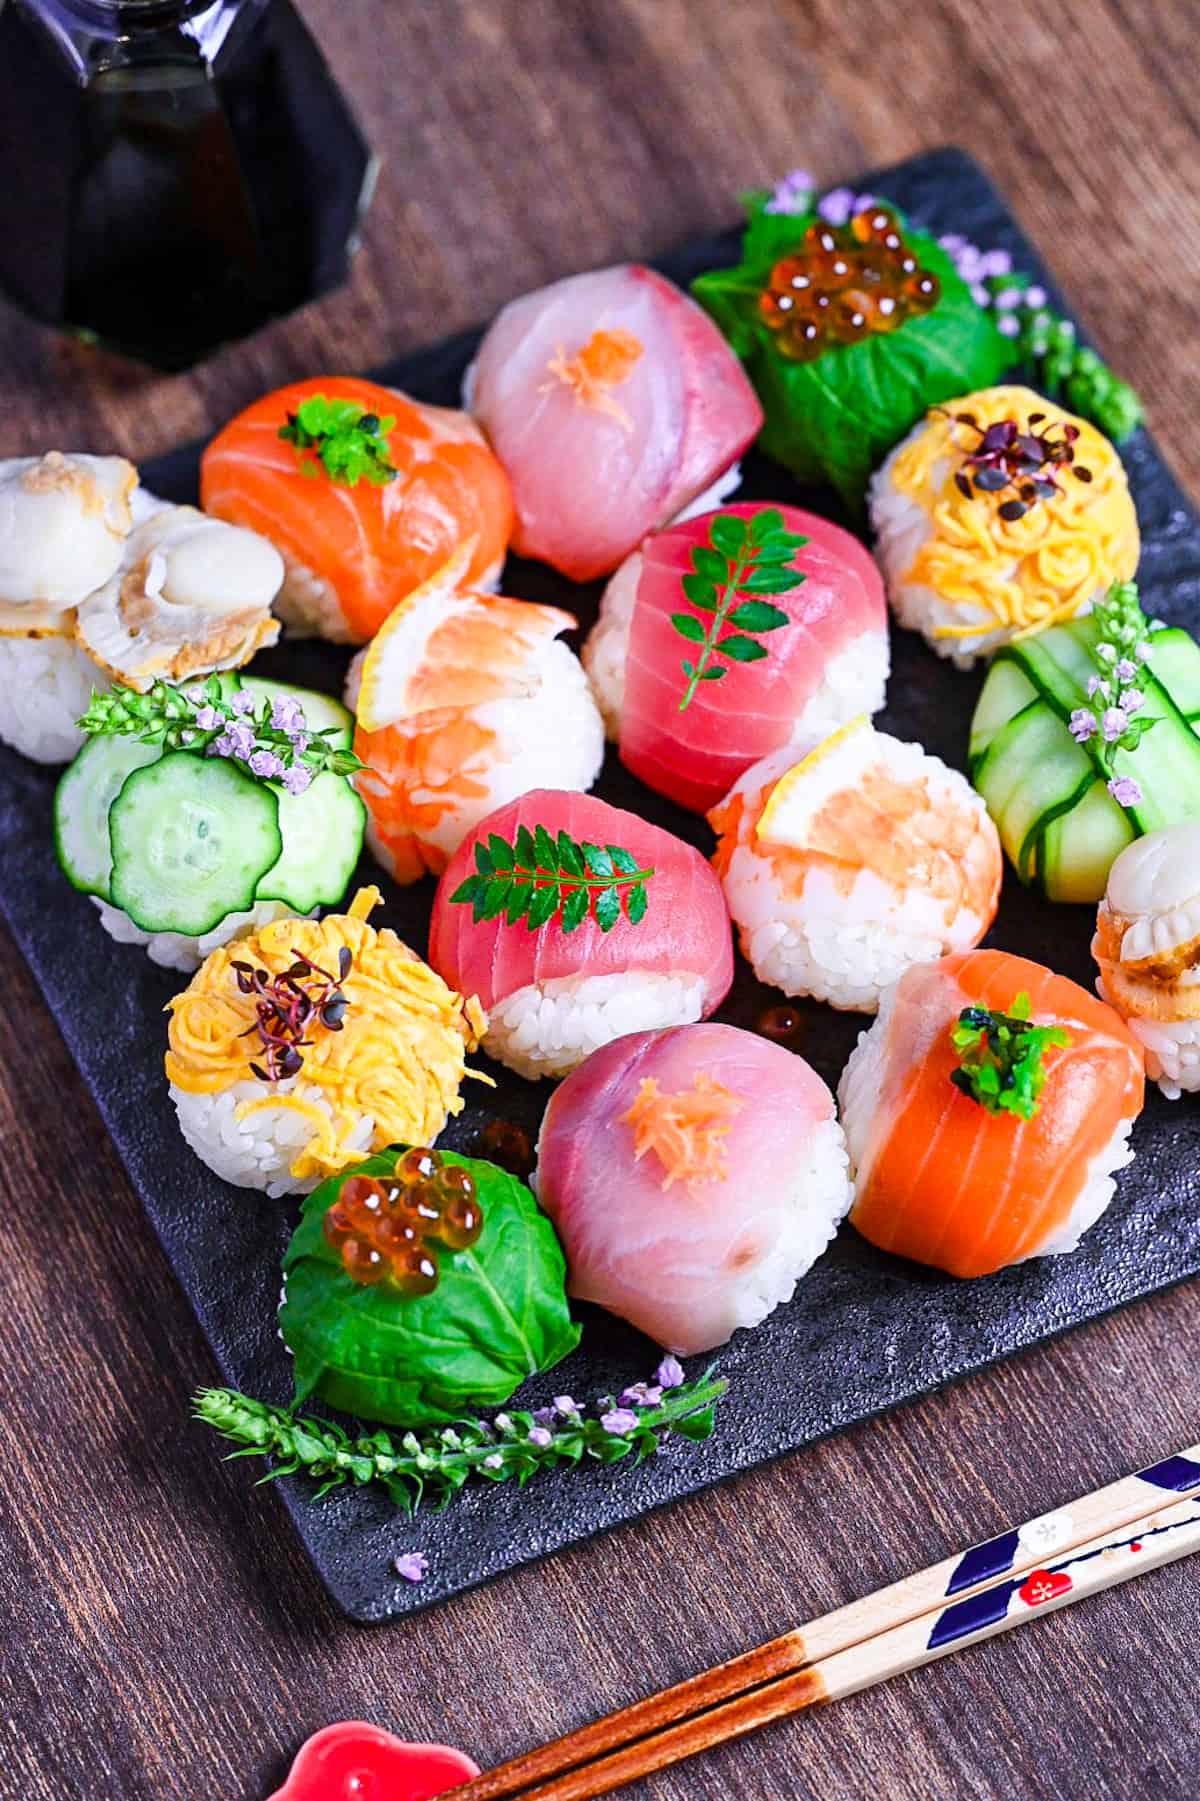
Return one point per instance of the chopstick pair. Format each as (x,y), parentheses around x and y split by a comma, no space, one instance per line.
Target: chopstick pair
(1102,1539)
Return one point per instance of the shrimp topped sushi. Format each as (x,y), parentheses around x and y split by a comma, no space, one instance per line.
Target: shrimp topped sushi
(365,493)
(693,1176)
(574,922)
(998,515)
(465,700)
(310,1044)
(987,1111)
(1147,946)
(845,866)
(730,634)
(613,402)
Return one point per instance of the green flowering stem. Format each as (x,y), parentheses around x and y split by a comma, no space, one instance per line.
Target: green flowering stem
(433,1466)
(1063,369)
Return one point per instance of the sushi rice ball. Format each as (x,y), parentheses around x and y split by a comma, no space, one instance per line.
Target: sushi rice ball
(362,1046)
(1147,946)
(845,866)
(465,701)
(998,515)
(942,1178)
(694,1176)
(558,989)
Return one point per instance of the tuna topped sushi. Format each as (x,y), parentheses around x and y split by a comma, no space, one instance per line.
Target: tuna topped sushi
(303,1048)
(574,922)
(613,402)
(1147,945)
(1000,514)
(730,634)
(364,492)
(986,1112)
(465,700)
(693,1175)
(844,866)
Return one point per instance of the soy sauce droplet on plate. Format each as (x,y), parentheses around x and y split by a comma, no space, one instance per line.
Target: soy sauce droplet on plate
(783,1024)
(505,1144)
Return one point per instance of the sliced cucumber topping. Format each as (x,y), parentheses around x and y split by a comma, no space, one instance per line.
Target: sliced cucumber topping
(192,837)
(1174,660)
(1006,691)
(322,841)
(1079,847)
(85,793)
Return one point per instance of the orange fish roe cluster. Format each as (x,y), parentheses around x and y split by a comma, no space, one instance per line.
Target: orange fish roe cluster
(844,283)
(686,1131)
(390,1227)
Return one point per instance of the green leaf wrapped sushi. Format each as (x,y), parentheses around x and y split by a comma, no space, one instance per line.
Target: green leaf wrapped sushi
(196,815)
(1084,738)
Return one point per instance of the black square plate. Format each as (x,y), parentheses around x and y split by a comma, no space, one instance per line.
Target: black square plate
(864,1331)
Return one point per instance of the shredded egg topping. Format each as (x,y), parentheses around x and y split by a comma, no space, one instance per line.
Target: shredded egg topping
(399,1059)
(1027,573)
(685,1131)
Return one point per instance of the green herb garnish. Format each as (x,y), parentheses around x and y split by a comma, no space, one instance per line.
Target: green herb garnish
(350,442)
(742,559)
(1000,1057)
(432,1467)
(218,718)
(538,876)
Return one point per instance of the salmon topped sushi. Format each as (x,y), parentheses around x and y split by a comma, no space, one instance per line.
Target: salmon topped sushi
(364,491)
(986,1112)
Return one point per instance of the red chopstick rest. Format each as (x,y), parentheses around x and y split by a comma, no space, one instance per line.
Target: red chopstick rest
(355,1761)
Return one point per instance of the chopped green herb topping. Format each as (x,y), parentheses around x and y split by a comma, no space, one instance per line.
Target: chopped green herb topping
(1000,1057)
(351,443)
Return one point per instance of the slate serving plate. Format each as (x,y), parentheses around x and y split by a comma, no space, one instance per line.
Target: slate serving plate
(864,1332)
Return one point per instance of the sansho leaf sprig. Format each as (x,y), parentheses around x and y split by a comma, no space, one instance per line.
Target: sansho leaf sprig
(432,1467)
(537,876)
(743,560)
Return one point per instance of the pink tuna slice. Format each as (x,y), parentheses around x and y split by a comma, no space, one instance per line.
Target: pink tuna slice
(695,756)
(591,477)
(676,1261)
(686,927)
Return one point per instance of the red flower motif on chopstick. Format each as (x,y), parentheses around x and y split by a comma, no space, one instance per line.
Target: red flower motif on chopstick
(354,1760)
(1041,1586)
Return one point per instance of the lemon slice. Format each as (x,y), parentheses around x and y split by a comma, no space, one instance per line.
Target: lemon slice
(834,764)
(397,651)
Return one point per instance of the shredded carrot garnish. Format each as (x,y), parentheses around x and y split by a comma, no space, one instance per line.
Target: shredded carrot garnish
(686,1131)
(603,364)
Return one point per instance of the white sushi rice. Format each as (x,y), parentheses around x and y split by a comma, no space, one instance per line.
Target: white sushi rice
(846,946)
(310,608)
(859,1094)
(547,1028)
(175,951)
(258,1151)
(854,680)
(45,685)
(552,737)
(1172,1048)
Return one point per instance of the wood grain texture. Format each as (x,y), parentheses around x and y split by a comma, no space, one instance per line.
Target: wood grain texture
(164,1636)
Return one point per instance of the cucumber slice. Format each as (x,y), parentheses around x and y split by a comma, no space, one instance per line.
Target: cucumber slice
(1006,691)
(320,710)
(322,842)
(192,837)
(1165,765)
(1080,847)
(1174,660)
(86,791)
(1032,767)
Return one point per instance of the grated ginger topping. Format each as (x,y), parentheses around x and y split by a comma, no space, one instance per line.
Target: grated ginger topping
(685,1131)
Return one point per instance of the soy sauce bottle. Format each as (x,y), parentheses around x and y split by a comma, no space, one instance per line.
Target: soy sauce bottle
(173,173)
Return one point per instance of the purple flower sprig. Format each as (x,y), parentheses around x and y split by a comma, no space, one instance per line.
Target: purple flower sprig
(432,1466)
(1115,720)
(270,739)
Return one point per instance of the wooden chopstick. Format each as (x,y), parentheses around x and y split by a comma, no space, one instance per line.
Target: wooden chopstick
(954,1580)
(1096,1565)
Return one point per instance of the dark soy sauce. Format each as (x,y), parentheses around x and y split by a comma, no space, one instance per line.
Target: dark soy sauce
(172,175)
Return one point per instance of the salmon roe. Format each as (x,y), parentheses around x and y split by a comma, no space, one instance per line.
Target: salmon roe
(844,283)
(390,1228)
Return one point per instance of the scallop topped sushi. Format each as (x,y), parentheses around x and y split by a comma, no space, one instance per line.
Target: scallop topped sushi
(693,1175)
(987,1111)
(1000,514)
(613,402)
(365,493)
(730,634)
(465,701)
(1147,946)
(844,866)
(300,1050)
(574,922)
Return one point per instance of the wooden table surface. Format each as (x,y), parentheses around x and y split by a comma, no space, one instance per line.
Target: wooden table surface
(164,1636)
